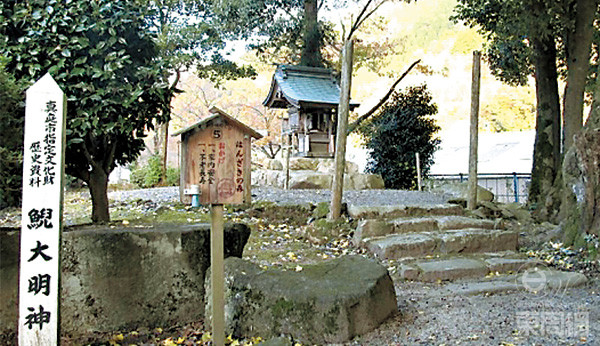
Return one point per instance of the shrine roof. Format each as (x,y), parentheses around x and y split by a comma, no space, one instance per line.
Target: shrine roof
(304,87)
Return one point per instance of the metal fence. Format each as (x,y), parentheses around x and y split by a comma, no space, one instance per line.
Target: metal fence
(506,187)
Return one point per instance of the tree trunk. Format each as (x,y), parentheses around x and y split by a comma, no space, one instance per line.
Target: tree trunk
(546,152)
(580,208)
(578,49)
(337,188)
(311,36)
(98,185)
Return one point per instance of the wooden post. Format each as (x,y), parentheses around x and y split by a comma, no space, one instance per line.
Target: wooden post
(287,142)
(476,74)
(41,219)
(419,185)
(217,279)
(342,128)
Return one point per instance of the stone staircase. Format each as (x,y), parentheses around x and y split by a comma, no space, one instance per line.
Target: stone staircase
(437,242)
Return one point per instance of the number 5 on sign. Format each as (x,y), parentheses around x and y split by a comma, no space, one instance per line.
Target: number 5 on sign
(41,213)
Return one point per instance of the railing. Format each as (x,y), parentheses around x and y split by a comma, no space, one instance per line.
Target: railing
(506,187)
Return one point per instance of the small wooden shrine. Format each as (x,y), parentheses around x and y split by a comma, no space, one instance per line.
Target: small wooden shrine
(215,160)
(311,95)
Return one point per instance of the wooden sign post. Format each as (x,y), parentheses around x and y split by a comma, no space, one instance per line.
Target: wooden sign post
(41,220)
(216,158)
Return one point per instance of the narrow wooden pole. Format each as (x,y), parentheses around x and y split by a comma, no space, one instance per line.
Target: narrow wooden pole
(419,184)
(342,127)
(476,74)
(287,142)
(217,274)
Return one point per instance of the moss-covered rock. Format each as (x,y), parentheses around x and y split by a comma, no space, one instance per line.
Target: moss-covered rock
(124,278)
(330,302)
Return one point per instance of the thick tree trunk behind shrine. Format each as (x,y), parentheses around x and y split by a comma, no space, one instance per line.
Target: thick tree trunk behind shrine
(580,208)
(311,36)
(546,152)
(98,185)
(578,49)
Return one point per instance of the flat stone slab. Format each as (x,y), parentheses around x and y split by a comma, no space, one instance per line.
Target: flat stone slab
(541,280)
(503,265)
(422,244)
(477,240)
(329,302)
(395,211)
(403,245)
(544,279)
(450,269)
(482,287)
(378,227)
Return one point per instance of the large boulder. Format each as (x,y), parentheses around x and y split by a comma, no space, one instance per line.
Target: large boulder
(273,164)
(310,180)
(364,182)
(460,191)
(303,164)
(330,302)
(123,278)
(328,166)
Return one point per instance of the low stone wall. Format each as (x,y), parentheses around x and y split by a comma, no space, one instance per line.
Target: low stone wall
(123,278)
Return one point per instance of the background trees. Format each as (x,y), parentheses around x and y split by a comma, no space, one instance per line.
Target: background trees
(11,139)
(403,126)
(551,40)
(101,55)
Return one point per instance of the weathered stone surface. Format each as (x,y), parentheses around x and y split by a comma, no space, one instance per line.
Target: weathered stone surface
(420,244)
(462,222)
(546,279)
(273,164)
(316,180)
(9,273)
(364,182)
(303,164)
(403,245)
(371,228)
(503,265)
(310,180)
(318,305)
(461,191)
(328,166)
(124,278)
(477,240)
(396,211)
(482,287)
(450,269)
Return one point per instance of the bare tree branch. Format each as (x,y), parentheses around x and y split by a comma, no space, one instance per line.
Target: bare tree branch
(363,117)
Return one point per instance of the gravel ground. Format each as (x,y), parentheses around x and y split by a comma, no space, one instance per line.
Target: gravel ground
(429,315)
(280,196)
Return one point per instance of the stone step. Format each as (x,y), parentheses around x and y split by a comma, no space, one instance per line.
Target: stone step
(377,228)
(454,268)
(395,211)
(422,244)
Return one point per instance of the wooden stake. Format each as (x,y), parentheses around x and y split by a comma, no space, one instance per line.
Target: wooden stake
(217,277)
(286,162)
(475,85)
(419,184)
(342,128)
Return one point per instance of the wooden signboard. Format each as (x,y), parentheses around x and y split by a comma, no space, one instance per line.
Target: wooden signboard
(41,220)
(219,158)
(216,157)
